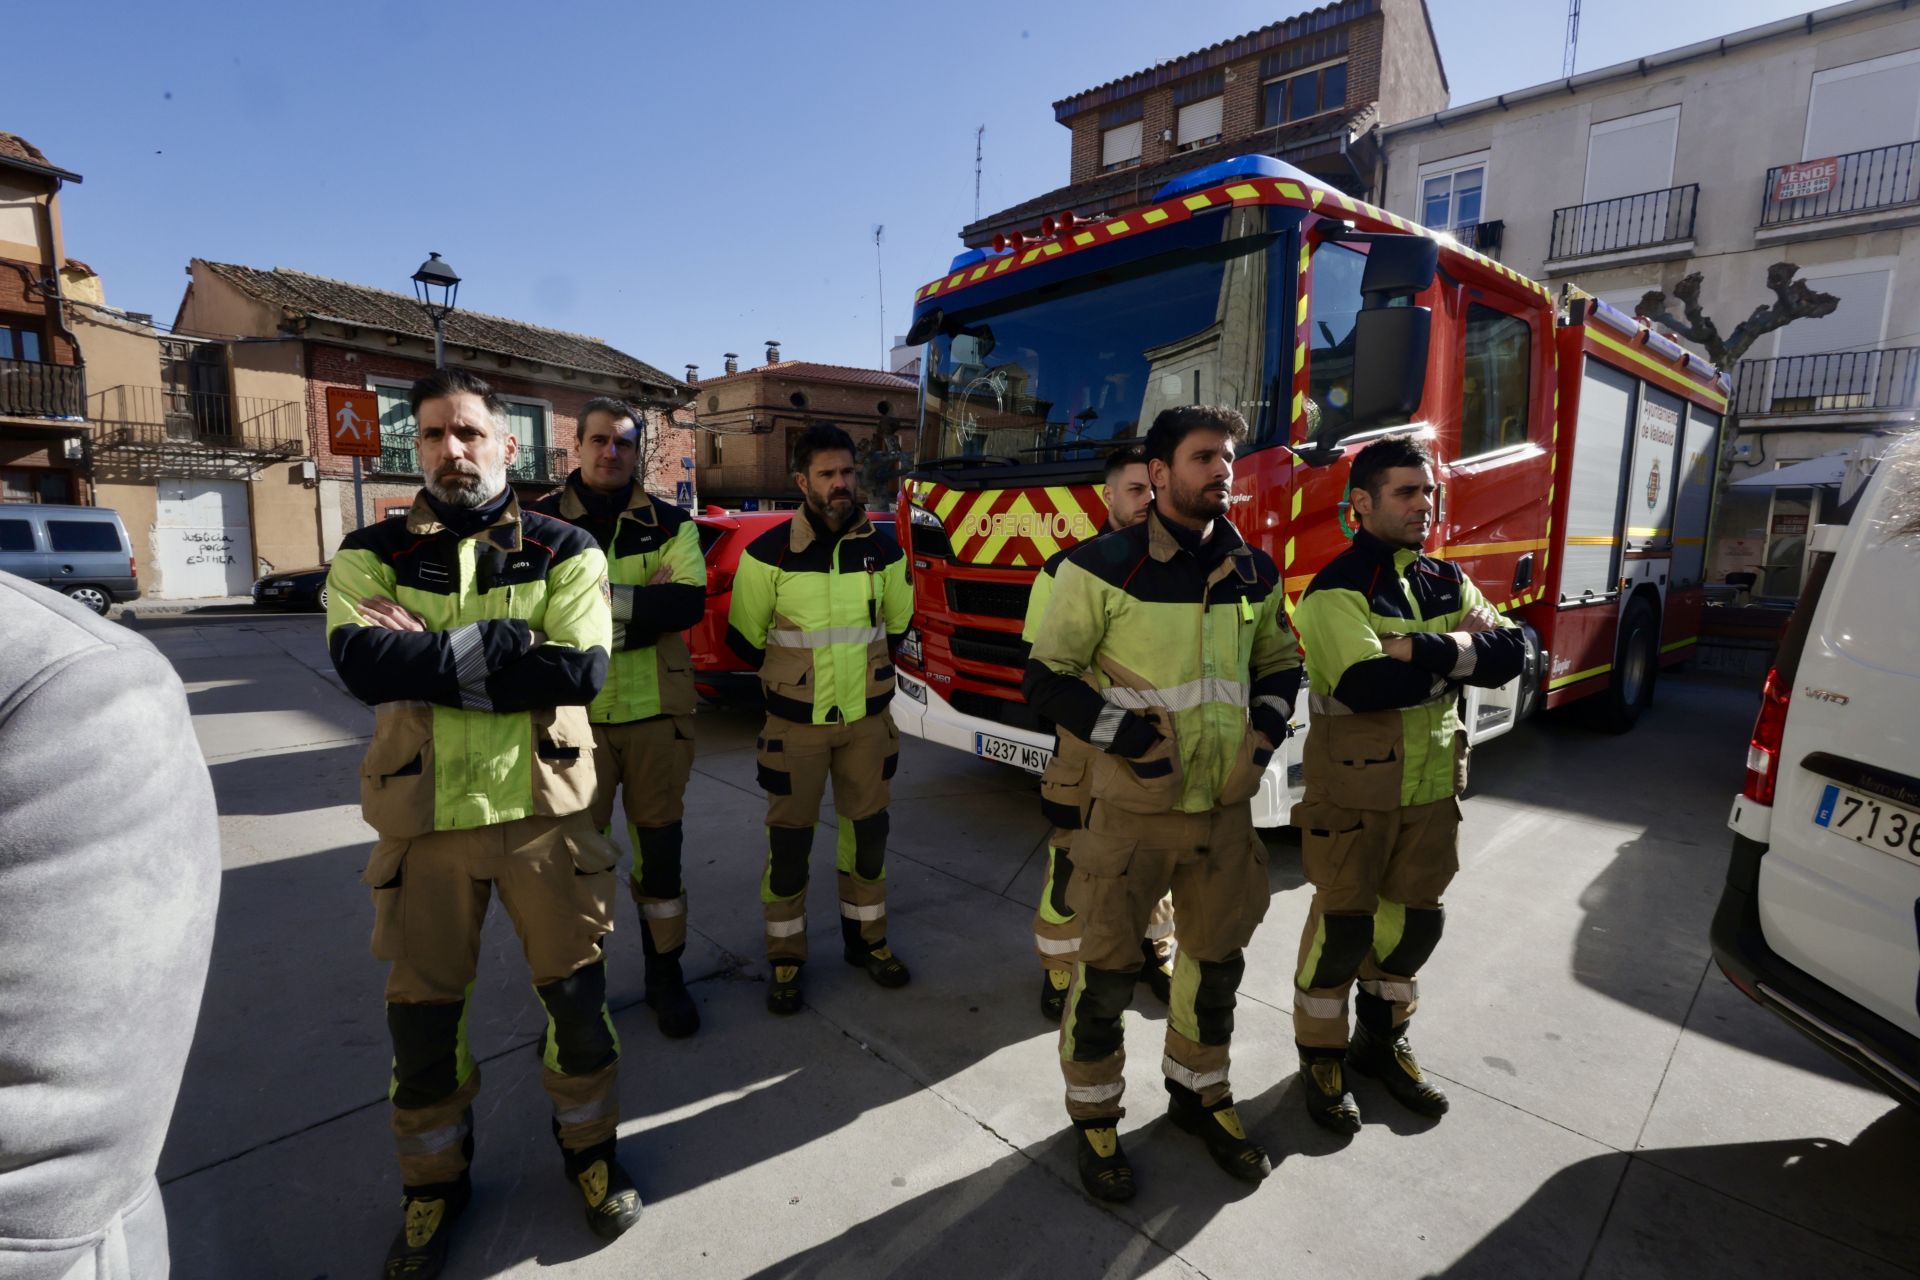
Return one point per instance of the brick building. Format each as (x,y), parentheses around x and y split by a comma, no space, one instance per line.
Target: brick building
(748,419)
(318,333)
(42,385)
(1311,90)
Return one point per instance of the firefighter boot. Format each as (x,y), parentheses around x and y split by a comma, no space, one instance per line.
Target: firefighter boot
(877,959)
(1391,1062)
(1219,1127)
(667,994)
(612,1201)
(1053,993)
(1324,1089)
(1104,1168)
(783,994)
(427,1217)
(1155,972)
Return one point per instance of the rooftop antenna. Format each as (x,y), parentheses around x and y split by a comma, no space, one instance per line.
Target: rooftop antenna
(979,144)
(880,276)
(1573,38)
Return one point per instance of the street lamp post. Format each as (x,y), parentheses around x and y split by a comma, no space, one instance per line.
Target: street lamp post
(436,286)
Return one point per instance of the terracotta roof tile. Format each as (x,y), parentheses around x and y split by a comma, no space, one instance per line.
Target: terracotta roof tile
(298,294)
(16,148)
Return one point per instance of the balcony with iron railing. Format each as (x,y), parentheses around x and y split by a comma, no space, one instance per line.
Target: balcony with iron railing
(1650,221)
(1877,385)
(534,465)
(161,419)
(30,389)
(1883,180)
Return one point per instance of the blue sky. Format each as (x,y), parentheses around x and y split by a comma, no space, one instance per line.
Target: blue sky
(681,181)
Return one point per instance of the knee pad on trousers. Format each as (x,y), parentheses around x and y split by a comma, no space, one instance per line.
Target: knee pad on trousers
(578,1038)
(787,852)
(870,846)
(657,860)
(1213,999)
(1057,889)
(1096,1013)
(1418,938)
(426,1051)
(1344,943)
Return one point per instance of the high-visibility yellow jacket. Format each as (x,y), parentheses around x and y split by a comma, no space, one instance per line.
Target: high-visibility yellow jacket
(819,615)
(650,672)
(1383,733)
(1063,786)
(475,723)
(1190,638)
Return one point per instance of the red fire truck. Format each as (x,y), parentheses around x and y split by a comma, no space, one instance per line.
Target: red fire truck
(1576,446)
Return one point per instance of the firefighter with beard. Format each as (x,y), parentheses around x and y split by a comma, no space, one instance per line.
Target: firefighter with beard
(1166,648)
(479,634)
(819,602)
(1063,787)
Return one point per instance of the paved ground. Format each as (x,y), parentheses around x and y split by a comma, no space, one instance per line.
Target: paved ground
(1619,1110)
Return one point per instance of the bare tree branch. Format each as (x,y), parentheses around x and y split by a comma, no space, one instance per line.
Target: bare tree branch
(1793,300)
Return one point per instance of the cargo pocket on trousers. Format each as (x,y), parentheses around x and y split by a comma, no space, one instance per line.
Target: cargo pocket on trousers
(1328,836)
(564,777)
(1063,789)
(770,764)
(1100,895)
(396,776)
(594,857)
(1364,760)
(384,876)
(1151,783)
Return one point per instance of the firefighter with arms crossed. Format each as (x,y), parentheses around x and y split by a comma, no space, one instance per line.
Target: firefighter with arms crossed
(479,634)
(819,602)
(643,718)
(1063,787)
(1391,636)
(1178,622)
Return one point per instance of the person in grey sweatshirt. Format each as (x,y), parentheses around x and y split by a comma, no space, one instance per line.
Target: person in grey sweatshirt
(109,874)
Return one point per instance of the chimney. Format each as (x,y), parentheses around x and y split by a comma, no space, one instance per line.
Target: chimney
(773,351)
(733,362)
(693,375)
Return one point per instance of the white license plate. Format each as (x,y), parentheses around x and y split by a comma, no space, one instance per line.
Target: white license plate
(1869,820)
(273,591)
(1032,759)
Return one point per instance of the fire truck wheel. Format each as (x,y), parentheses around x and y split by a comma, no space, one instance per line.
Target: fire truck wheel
(1634,667)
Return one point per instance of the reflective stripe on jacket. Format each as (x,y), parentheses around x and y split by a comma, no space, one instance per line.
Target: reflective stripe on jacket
(819,617)
(650,672)
(1190,643)
(1383,732)
(475,723)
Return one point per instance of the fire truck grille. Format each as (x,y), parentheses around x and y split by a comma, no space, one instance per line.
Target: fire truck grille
(1001,647)
(1015,715)
(991,599)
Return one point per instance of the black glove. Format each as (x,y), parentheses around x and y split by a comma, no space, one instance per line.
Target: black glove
(1269,720)
(1135,737)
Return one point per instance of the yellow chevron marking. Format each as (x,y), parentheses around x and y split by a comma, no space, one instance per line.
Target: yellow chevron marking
(1316,196)
(1299,496)
(1345,200)
(1085,237)
(1243,191)
(948,501)
(1029,256)
(1118,227)
(1303,313)
(1292,191)
(1049,249)
(1289,560)
(1300,357)
(977,272)
(934,287)
(1197,202)
(957,277)
(1003,264)
(1153,216)
(1299,406)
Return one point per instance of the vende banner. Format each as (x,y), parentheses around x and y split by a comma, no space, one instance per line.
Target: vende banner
(1808,178)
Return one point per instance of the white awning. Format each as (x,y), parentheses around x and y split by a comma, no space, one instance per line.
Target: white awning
(1829,468)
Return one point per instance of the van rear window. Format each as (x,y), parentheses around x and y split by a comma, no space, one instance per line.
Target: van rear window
(16,535)
(83,535)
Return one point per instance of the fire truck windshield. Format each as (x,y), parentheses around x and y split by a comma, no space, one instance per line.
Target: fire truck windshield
(1055,372)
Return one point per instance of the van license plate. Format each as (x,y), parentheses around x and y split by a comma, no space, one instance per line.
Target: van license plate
(1869,820)
(1032,759)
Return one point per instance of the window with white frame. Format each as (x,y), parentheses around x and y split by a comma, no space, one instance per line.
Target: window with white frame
(398,433)
(1631,156)
(1453,194)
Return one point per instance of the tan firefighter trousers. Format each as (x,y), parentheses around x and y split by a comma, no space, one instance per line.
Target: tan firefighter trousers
(649,762)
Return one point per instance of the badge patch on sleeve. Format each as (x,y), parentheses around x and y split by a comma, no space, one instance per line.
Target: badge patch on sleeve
(606,591)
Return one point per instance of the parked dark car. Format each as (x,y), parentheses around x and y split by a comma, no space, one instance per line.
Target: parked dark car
(295,589)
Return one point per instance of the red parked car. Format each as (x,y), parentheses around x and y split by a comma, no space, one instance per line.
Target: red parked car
(718,671)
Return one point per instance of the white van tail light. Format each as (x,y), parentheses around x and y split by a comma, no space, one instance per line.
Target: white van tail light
(1763,753)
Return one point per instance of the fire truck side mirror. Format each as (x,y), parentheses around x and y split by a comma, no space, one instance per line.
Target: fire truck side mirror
(1398,266)
(1389,366)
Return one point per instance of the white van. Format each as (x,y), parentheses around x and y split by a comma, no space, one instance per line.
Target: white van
(1820,919)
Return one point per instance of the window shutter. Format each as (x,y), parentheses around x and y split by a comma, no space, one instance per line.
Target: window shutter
(1117,146)
(1200,120)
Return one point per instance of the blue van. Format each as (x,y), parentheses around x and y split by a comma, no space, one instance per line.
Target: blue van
(82,552)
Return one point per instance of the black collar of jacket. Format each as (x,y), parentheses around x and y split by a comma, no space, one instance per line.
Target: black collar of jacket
(639,506)
(1163,546)
(503,533)
(1374,549)
(802,534)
